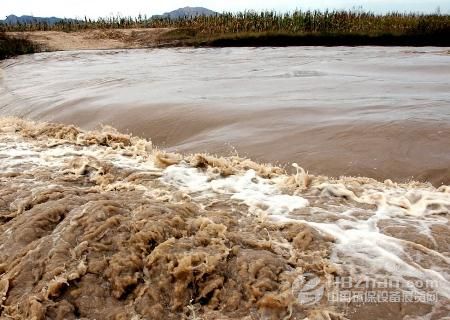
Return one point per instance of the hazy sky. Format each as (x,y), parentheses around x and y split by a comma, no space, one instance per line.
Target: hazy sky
(96,8)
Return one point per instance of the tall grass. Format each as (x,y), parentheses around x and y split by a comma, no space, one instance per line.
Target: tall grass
(357,22)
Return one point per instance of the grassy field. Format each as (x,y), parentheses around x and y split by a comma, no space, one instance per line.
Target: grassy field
(251,28)
(10,47)
(250,21)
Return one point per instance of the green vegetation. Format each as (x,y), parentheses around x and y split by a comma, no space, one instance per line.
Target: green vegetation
(10,47)
(271,28)
(294,22)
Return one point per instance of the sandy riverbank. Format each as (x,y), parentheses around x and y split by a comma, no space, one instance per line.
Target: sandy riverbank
(95,39)
(98,39)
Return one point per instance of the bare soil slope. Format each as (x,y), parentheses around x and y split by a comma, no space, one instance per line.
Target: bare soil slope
(94,39)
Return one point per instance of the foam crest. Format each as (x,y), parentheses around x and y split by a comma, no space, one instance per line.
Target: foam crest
(259,194)
(394,200)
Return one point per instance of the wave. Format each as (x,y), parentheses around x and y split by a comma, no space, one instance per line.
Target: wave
(100,224)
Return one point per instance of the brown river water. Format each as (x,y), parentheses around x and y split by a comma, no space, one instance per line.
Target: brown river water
(98,223)
(364,111)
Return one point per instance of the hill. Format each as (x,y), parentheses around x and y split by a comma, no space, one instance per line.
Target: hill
(187,12)
(14,20)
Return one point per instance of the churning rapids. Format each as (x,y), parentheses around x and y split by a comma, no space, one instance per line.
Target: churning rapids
(101,224)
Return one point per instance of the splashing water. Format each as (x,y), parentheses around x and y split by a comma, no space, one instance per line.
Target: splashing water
(228,211)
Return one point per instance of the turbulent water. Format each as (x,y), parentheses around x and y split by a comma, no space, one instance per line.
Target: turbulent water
(105,225)
(377,112)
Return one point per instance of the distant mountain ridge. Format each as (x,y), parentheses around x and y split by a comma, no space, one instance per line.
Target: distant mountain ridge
(187,12)
(13,20)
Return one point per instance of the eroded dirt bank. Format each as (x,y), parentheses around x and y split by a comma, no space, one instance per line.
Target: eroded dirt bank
(95,39)
(104,225)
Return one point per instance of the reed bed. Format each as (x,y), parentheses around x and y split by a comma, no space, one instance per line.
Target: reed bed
(353,22)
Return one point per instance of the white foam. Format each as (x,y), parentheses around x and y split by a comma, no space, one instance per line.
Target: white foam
(16,154)
(187,179)
(395,200)
(359,243)
(364,250)
(259,194)
(401,202)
